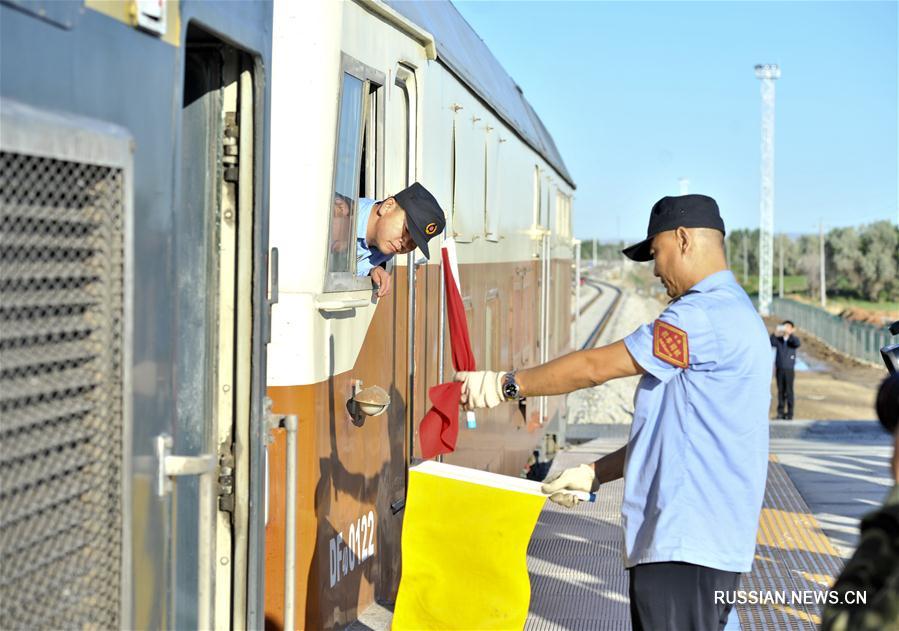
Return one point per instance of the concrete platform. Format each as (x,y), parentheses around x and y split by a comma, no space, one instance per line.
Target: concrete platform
(823,476)
(578,580)
(840,468)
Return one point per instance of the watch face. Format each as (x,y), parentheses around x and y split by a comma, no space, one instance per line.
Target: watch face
(510,390)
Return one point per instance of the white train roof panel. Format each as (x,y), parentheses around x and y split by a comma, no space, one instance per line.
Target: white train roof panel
(462,51)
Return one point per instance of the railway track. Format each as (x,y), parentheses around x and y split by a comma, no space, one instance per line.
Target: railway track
(590,302)
(607,314)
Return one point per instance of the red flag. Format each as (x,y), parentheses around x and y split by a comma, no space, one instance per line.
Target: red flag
(440,426)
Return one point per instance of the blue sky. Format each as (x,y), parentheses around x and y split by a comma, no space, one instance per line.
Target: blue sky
(640,94)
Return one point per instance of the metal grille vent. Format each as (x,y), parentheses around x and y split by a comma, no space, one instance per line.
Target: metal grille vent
(61,328)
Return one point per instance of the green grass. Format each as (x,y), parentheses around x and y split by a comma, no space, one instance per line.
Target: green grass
(792,285)
(799,285)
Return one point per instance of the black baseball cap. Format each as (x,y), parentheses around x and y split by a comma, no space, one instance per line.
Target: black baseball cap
(669,213)
(424,217)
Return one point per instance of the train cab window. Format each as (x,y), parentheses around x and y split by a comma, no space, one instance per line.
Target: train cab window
(357,169)
(348,150)
(371,139)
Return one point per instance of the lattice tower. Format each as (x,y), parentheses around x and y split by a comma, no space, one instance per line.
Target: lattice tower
(767,74)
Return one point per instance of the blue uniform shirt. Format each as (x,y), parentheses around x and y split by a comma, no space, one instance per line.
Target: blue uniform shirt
(367,256)
(697,458)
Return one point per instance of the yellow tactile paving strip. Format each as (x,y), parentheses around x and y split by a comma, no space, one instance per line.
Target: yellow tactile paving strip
(578,581)
(792,556)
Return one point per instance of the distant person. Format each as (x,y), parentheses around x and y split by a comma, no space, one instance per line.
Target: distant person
(695,463)
(785,341)
(396,225)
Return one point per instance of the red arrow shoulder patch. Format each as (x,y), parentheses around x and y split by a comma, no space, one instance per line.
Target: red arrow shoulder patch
(669,344)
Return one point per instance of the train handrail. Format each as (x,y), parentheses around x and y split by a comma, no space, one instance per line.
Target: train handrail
(290,523)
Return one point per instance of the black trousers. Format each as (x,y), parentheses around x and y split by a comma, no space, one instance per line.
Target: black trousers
(680,597)
(785,392)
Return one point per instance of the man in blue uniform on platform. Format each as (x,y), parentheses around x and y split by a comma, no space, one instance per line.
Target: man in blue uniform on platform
(696,461)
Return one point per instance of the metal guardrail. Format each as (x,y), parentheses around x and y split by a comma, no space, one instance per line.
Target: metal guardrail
(856,339)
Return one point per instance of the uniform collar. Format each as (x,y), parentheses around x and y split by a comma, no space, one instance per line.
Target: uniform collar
(365,207)
(712,281)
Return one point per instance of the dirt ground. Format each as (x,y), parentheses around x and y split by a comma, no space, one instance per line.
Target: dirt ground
(836,387)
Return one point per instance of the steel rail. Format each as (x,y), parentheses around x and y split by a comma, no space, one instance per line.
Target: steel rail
(604,320)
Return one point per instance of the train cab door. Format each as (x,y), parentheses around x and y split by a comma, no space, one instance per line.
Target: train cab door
(408,387)
(200,459)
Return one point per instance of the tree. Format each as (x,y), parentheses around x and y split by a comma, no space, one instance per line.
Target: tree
(862,262)
(879,243)
(735,253)
(843,260)
(791,255)
(808,262)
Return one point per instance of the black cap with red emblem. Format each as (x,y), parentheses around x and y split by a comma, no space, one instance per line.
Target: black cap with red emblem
(424,217)
(669,213)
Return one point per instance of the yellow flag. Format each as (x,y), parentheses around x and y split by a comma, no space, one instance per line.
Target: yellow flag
(465,540)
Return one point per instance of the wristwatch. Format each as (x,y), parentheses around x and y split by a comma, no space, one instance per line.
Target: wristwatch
(511,391)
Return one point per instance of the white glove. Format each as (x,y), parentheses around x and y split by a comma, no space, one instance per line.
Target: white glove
(481,389)
(580,478)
